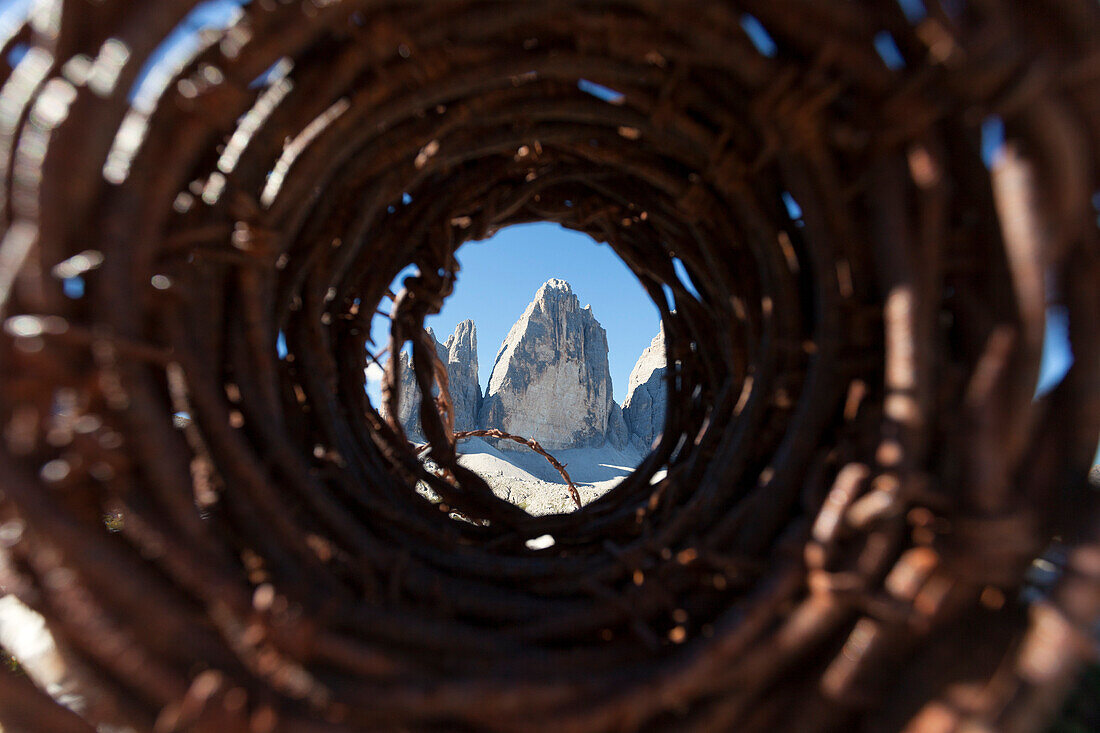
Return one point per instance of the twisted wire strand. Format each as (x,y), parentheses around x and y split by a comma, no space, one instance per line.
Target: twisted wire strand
(858,473)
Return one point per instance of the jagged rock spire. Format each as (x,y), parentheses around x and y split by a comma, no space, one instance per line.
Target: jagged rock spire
(551,379)
(459,353)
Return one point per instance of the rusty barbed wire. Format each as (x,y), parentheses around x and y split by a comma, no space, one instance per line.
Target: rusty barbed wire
(424,449)
(533,445)
(854,475)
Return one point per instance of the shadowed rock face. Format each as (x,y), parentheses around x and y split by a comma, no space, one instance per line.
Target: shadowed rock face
(551,380)
(647,397)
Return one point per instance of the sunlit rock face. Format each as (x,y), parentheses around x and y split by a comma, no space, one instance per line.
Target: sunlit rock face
(459,353)
(408,409)
(461,363)
(551,380)
(646,394)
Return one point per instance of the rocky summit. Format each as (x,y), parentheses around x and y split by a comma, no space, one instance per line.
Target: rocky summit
(461,362)
(550,382)
(409,405)
(459,353)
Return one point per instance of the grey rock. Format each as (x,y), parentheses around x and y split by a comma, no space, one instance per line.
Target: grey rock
(461,363)
(408,410)
(618,435)
(459,353)
(647,396)
(551,381)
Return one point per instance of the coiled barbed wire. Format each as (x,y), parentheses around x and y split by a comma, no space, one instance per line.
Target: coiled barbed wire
(858,475)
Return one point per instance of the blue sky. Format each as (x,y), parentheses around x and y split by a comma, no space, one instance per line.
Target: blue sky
(500,276)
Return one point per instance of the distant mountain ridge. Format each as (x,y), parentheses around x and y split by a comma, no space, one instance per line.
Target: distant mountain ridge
(550,381)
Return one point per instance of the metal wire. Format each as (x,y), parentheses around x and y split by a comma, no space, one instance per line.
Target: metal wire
(858,476)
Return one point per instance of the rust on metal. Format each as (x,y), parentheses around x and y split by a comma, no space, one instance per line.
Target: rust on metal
(855,473)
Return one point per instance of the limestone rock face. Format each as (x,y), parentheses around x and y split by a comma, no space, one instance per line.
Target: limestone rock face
(618,434)
(459,353)
(461,361)
(646,396)
(551,380)
(408,411)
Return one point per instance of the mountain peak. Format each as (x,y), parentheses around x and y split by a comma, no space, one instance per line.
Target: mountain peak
(551,380)
(459,354)
(554,287)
